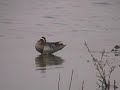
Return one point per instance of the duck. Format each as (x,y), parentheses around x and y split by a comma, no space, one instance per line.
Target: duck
(116,47)
(116,50)
(44,47)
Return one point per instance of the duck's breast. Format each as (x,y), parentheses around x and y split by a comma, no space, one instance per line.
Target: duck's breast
(39,47)
(47,49)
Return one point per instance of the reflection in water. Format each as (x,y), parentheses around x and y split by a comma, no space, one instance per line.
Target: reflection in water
(44,61)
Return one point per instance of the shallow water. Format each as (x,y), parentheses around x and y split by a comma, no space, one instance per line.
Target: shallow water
(23,22)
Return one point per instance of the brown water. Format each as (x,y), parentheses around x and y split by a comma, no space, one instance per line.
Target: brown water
(23,22)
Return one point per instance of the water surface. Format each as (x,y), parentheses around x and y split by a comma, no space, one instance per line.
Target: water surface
(23,22)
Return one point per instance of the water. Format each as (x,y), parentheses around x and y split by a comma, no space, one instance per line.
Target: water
(23,22)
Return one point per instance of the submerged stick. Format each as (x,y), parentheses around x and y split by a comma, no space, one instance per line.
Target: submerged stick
(71,80)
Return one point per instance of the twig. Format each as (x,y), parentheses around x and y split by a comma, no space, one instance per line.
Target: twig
(59,82)
(103,52)
(83,85)
(114,84)
(94,59)
(103,77)
(115,87)
(71,79)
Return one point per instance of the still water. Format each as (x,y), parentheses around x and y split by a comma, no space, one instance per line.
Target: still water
(23,22)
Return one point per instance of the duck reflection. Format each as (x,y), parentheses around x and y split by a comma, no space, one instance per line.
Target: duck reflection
(44,61)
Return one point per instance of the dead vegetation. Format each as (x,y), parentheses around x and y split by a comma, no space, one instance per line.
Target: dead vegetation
(103,71)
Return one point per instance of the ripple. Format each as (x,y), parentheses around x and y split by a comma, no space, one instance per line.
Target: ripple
(75,30)
(51,17)
(102,3)
(19,37)
(2,35)
(10,22)
(7,22)
(59,7)
(60,23)
(39,24)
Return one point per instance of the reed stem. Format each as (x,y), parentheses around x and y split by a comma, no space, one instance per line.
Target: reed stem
(71,79)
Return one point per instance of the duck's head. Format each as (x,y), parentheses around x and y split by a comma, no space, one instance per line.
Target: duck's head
(44,39)
(41,41)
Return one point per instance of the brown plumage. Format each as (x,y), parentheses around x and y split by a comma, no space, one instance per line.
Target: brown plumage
(48,47)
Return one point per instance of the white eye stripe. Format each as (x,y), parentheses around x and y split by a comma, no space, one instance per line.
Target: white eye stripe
(44,39)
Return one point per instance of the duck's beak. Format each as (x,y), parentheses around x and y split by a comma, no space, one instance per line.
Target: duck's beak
(38,41)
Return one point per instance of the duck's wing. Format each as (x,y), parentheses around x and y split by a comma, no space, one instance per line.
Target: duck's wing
(55,46)
(55,42)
